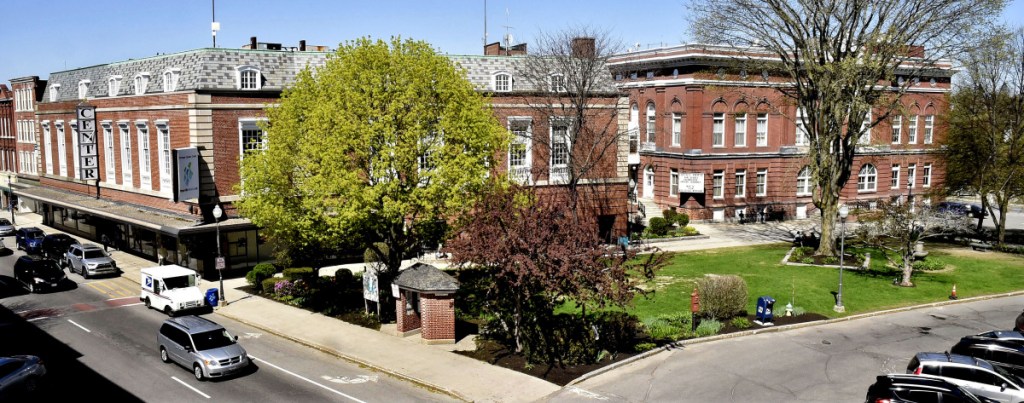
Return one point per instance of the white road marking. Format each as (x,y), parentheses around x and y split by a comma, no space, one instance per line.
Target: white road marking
(587,394)
(39,318)
(190,387)
(252,335)
(137,303)
(350,381)
(80,326)
(306,379)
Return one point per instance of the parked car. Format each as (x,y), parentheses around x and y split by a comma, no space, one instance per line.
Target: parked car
(6,228)
(56,245)
(37,273)
(20,373)
(1008,354)
(974,374)
(89,260)
(897,388)
(29,239)
(966,209)
(1005,335)
(202,346)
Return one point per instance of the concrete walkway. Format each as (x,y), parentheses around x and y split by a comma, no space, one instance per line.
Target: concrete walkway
(406,358)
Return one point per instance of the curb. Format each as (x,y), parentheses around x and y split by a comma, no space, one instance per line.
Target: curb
(681,343)
(352,359)
(676,239)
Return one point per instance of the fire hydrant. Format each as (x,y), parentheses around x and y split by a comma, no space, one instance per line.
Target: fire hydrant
(694,308)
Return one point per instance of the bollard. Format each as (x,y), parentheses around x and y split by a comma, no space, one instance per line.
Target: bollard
(694,308)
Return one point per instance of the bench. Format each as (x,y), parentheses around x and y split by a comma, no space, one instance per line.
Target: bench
(981,246)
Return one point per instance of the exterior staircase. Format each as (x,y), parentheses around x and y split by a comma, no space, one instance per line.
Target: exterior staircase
(651,209)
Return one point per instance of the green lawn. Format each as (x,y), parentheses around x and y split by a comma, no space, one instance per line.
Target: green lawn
(974,273)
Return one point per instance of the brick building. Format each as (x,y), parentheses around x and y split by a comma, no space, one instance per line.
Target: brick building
(27,93)
(715,140)
(8,144)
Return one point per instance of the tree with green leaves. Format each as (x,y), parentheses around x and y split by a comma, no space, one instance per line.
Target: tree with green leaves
(842,59)
(372,148)
(985,144)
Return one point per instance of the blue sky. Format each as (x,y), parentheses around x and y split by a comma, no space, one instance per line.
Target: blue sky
(45,36)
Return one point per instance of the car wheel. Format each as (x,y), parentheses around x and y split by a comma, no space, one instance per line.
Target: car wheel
(148,304)
(163,355)
(168,311)
(85,273)
(198,372)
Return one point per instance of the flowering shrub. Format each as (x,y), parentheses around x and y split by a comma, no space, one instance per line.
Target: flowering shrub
(284,288)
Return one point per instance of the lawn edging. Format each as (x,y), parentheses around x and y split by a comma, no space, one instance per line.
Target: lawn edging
(771,329)
(785,261)
(674,239)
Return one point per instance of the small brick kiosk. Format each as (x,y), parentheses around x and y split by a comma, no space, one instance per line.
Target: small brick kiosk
(426,303)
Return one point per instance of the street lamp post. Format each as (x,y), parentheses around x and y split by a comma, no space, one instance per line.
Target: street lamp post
(217,213)
(10,199)
(843,213)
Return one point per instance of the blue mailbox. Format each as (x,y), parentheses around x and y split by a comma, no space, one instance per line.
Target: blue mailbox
(212,297)
(765,306)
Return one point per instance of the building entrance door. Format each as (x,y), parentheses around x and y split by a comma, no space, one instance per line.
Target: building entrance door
(648,183)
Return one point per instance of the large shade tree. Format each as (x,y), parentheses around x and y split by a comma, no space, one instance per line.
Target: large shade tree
(985,153)
(842,59)
(371,149)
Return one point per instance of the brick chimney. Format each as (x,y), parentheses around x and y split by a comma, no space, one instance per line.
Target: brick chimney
(583,47)
(495,49)
(302,45)
(252,42)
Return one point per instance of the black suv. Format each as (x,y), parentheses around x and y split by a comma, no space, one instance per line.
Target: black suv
(896,388)
(29,238)
(56,245)
(1008,354)
(36,273)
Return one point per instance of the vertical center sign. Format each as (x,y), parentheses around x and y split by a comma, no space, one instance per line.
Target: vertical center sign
(88,151)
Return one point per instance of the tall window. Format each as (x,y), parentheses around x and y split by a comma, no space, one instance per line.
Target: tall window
(108,154)
(741,183)
(802,138)
(502,82)
(47,148)
(716,185)
(741,130)
(762,182)
(929,121)
(559,151)
(249,78)
(113,86)
(519,150)
(54,92)
(126,155)
(895,177)
(170,79)
(911,175)
(718,130)
(803,182)
(145,170)
(673,184)
(83,89)
(650,122)
(867,179)
(251,136)
(141,83)
(897,129)
(677,129)
(62,157)
(163,138)
(762,129)
(926,175)
(912,130)
(75,171)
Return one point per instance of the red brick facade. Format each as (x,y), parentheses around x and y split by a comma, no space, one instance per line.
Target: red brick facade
(433,315)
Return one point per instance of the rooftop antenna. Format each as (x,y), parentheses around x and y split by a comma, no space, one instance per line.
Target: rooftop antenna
(508,35)
(214,26)
(485,23)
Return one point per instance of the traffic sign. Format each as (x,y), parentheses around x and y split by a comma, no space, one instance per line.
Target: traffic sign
(220,263)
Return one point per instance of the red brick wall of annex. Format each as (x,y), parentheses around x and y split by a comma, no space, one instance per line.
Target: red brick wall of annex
(438,316)
(406,321)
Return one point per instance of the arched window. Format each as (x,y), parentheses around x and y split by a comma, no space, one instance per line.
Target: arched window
(248,78)
(141,82)
(54,92)
(83,89)
(867,179)
(113,86)
(170,77)
(803,182)
(650,122)
(502,82)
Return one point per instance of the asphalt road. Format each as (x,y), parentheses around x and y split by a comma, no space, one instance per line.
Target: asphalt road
(828,363)
(99,342)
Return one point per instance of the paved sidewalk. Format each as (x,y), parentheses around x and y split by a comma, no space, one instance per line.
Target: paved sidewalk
(430,366)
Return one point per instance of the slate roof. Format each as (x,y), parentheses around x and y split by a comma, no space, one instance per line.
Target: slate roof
(426,278)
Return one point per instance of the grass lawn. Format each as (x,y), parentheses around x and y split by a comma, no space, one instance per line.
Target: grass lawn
(974,273)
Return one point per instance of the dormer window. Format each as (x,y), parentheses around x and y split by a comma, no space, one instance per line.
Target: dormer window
(557,83)
(113,86)
(83,89)
(248,78)
(170,79)
(54,92)
(502,82)
(141,82)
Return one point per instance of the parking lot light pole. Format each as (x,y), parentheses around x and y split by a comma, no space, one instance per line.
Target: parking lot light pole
(843,213)
(217,213)
(10,198)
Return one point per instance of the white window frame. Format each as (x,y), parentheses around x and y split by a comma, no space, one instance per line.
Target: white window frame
(718,184)
(803,138)
(554,123)
(501,82)
(740,135)
(170,79)
(926,175)
(762,183)
(113,85)
(912,130)
(897,129)
(83,88)
(762,130)
(804,177)
(144,155)
(673,182)
(164,155)
(557,82)
(911,176)
(75,165)
(929,128)
(867,179)
(62,158)
(718,130)
(124,132)
(895,181)
(677,128)
(652,116)
(521,172)
(109,157)
(141,83)
(242,80)
(250,125)
(741,182)
(54,92)
(48,147)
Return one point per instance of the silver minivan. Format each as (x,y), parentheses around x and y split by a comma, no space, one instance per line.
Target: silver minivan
(201,345)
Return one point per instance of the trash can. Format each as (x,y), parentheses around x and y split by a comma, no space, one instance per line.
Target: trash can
(211,297)
(765,306)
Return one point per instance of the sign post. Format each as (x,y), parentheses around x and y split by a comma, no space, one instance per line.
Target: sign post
(88,160)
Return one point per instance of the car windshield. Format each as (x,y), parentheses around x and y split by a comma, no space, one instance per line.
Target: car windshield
(212,339)
(48,268)
(93,254)
(4,222)
(179,282)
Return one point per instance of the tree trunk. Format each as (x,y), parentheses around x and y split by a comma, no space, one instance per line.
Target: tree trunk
(908,268)
(1004,205)
(829,207)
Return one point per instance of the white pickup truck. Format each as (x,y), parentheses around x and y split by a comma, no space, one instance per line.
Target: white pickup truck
(170,289)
